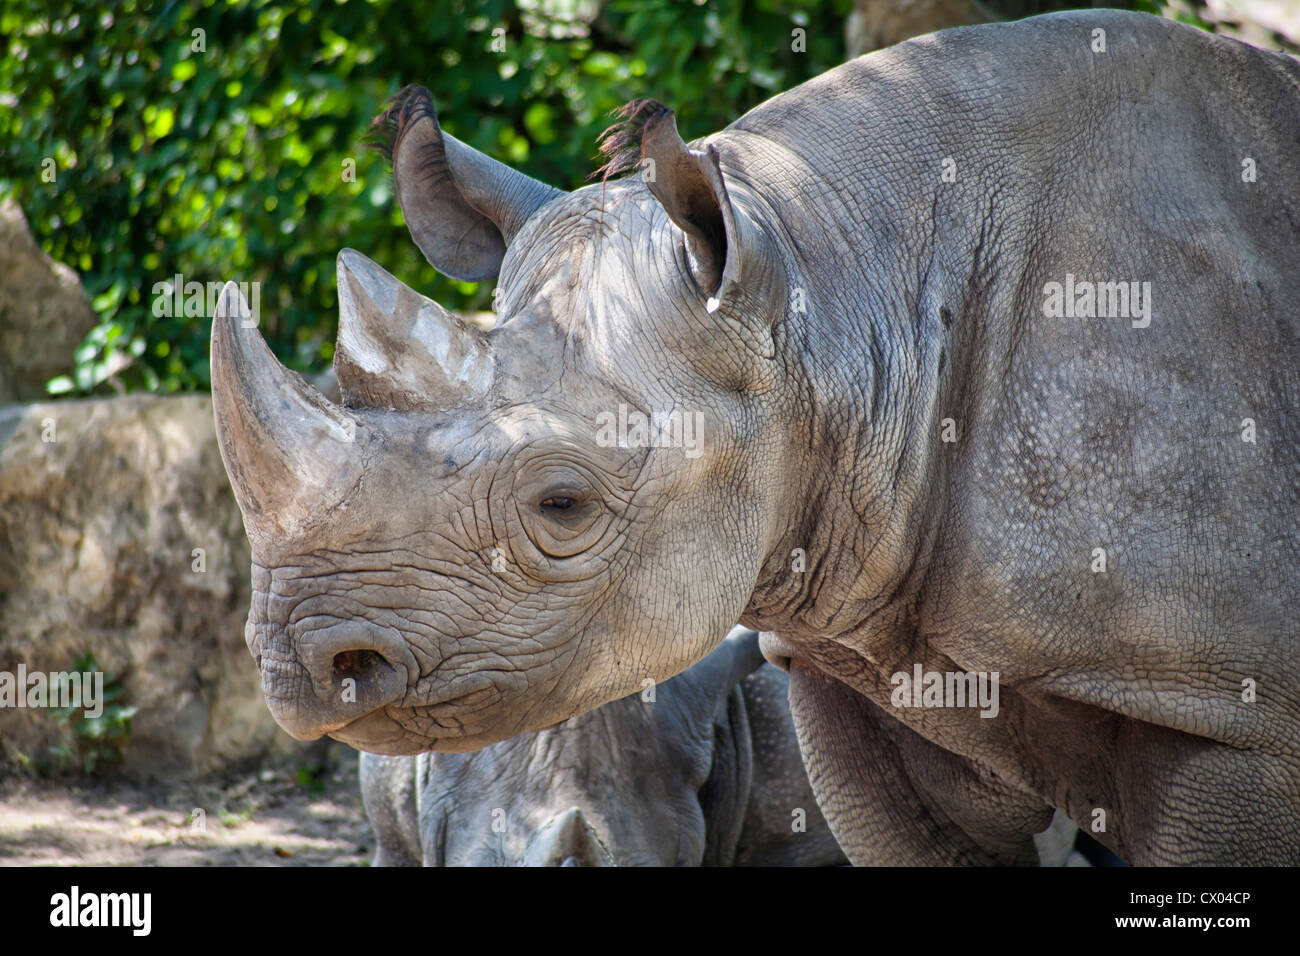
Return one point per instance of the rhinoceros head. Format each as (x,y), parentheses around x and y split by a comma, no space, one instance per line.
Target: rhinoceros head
(481,540)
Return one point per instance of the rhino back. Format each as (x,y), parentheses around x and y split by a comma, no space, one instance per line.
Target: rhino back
(1122,165)
(1042,131)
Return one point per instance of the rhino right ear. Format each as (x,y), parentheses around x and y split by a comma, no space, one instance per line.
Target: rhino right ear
(733,262)
(462,208)
(689,186)
(729,254)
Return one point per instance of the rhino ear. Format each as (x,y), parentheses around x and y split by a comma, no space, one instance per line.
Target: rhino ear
(713,679)
(462,208)
(689,185)
(725,793)
(725,247)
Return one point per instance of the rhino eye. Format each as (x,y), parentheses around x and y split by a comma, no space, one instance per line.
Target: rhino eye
(560,507)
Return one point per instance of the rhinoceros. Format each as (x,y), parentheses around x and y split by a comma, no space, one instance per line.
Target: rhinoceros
(966,371)
(703,769)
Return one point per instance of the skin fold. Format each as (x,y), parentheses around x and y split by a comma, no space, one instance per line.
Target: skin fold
(905,458)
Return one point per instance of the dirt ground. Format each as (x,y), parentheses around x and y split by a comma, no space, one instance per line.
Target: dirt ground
(264,818)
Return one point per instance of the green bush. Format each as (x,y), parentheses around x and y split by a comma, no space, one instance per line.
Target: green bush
(92,742)
(211,139)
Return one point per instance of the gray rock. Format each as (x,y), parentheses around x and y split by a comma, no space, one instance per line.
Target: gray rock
(44,312)
(98,531)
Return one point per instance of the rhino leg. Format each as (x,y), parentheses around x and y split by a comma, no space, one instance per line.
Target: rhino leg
(781,794)
(893,798)
(388,792)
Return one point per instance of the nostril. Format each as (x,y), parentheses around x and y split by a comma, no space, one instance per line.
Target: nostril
(318,679)
(351,665)
(356,662)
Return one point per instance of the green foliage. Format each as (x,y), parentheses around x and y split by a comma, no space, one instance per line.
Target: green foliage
(311,777)
(93,741)
(1184,11)
(224,159)
(233,818)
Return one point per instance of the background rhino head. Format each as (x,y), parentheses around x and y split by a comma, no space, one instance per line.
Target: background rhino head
(704,771)
(465,549)
(658,778)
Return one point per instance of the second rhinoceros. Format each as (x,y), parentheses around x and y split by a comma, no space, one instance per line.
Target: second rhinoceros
(974,358)
(703,769)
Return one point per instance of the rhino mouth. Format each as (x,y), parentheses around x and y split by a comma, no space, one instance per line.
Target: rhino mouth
(379,733)
(364,686)
(445,726)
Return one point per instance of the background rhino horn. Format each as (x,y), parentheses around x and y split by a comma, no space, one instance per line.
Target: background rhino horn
(288,451)
(462,208)
(397,349)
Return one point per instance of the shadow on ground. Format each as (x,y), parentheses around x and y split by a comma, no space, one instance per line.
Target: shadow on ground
(275,817)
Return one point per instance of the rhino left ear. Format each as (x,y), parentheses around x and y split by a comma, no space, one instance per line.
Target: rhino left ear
(725,794)
(461,207)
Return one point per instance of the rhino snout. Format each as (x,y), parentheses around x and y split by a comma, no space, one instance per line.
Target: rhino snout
(337,676)
(567,840)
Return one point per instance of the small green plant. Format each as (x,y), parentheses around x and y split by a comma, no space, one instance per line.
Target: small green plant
(94,741)
(233,818)
(311,777)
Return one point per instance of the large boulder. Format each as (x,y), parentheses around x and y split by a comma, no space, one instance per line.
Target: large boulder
(44,312)
(102,506)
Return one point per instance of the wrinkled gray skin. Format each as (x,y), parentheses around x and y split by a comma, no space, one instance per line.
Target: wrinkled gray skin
(708,773)
(454,539)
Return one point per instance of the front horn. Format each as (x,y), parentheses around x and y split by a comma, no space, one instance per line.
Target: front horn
(290,453)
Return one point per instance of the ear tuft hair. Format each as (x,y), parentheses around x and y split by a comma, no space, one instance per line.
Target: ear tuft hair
(407,105)
(621,143)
